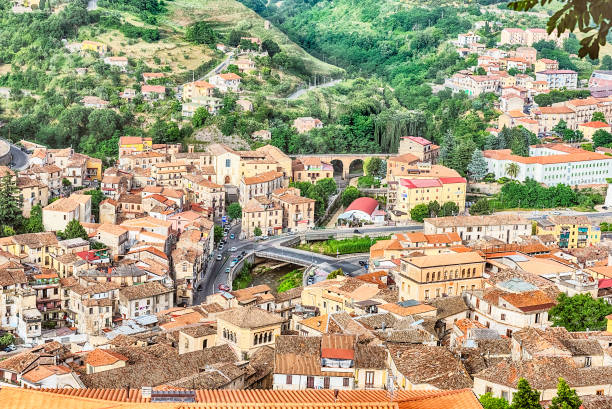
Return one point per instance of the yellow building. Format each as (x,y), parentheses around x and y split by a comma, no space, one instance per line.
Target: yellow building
(410,192)
(197,89)
(132,144)
(609,327)
(338,294)
(94,46)
(94,168)
(426,277)
(570,231)
(248,328)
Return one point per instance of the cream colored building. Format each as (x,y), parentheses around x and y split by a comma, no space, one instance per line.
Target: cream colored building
(426,277)
(169,173)
(264,214)
(247,329)
(58,214)
(298,211)
(260,185)
(338,294)
(226,163)
(196,338)
(507,228)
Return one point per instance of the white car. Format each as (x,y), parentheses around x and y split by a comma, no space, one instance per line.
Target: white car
(233,249)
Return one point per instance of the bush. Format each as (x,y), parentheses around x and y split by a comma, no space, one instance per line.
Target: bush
(290,280)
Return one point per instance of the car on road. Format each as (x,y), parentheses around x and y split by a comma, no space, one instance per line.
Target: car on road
(356,231)
(243,253)
(224,287)
(227,270)
(232,236)
(9,348)
(556,213)
(219,256)
(233,248)
(362,263)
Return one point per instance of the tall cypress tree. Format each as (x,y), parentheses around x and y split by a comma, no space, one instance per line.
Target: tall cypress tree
(566,398)
(10,203)
(525,397)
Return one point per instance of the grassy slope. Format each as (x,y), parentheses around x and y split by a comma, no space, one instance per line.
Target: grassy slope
(228,14)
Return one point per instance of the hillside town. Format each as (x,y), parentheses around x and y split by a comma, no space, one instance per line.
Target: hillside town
(246,233)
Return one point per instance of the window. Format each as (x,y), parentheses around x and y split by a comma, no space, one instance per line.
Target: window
(488,389)
(345,382)
(310,382)
(504,395)
(369,379)
(228,163)
(509,333)
(587,361)
(537,318)
(599,392)
(289,380)
(326,382)
(503,317)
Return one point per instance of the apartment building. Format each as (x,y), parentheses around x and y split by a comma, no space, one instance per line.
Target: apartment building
(169,173)
(196,89)
(422,148)
(553,164)
(226,82)
(510,306)
(549,117)
(425,277)
(558,79)
(545,64)
(507,228)
(570,231)
(261,185)
(410,192)
(298,211)
(264,214)
(132,144)
(473,85)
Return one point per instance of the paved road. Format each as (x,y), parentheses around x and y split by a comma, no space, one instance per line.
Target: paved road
(20,159)
(217,274)
(301,92)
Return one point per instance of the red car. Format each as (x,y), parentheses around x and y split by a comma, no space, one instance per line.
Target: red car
(224,287)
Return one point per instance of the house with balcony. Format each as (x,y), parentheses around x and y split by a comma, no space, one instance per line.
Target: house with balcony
(570,231)
(48,298)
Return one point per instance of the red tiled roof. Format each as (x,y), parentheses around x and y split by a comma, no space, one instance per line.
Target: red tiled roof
(419,140)
(364,204)
(420,183)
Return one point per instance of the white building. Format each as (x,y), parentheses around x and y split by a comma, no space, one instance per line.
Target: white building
(510,306)
(508,228)
(553,164)
(557,79)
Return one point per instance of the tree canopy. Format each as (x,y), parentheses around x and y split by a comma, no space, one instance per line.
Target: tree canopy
(580,312)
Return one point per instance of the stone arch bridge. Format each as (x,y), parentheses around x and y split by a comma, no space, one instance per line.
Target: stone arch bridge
(344,162)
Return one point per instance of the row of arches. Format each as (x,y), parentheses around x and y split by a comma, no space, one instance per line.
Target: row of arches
(262,338)
(450,275)
(229,335)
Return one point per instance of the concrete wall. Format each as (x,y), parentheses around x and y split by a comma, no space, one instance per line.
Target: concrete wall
(5,153)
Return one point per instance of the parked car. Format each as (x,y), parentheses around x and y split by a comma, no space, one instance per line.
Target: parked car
(227,270)
(232,236)
(243,253)
(9,348)
(219,256)
(356,231)
(224,287)
(362,263)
